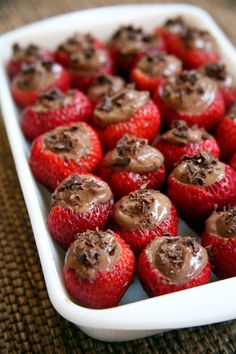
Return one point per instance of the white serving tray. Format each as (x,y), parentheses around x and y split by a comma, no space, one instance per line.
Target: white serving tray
(136,316)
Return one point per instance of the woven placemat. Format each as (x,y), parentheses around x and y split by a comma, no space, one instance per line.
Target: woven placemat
(28,323)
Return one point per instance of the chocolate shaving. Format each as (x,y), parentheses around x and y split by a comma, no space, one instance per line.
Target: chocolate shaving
(229,216)
(129,145)
(216,71)
(62,141)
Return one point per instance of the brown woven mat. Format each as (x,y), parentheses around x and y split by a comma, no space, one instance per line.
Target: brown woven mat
(28,323)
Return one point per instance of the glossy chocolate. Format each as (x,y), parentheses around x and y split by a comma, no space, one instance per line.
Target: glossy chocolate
(52,99)
(161,64)
(222,223)
(194,38)
(90,59)
(218,72)
(105,85)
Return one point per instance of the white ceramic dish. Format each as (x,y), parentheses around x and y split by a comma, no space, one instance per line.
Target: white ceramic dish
(137,316)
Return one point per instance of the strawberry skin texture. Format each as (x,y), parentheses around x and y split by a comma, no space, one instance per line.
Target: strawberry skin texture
(35,123)
(28,97)
(64,223)
(195,58)
(206,119)
(155,284)
(226,137)
(145,82)
(145,123)
(233,162)
(171,40)
(139,239)
(222,254)
(195,203)
(173,152)
(229,96)
(123,182)
(49,169)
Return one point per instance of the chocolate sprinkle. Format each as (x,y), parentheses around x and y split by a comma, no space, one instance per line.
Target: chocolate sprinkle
(216,71)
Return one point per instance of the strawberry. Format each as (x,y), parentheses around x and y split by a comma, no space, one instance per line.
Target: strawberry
(129,111)
(128,44)
(80,202)
(151,70)
(74,45)
(233,162)
(74,148)
(219,237)
(132,164)
(190,97)
(98,269)
(37,78)
(170,264)
(182,140)
(226,134)
(143,215)
(53,108)
(198,183)
(27,55)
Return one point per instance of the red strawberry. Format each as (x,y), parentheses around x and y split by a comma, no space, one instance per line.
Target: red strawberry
(181,140)
(190,97)
(218,72)
(98,269)
(132,164)
(74,45)
(143,215)
(233,162)
(129,111)
(53,108)
(27,55)
(220,239)
(200,182)
(104,85)
(170,264)
(37,78)
(80,203)
(151,70)
(226,134)
(74,148)
(128,44)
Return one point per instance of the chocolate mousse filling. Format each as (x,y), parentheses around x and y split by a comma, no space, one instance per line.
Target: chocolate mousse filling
(105,85)
(180,133)
(222,223)
(70,143)
(90,59)
(120,107)
(201,170)
(81,193)
(134,155)
(194,38)
(175,25)
(92,252)
(77,43)
(52,99)
(218,72)
(30,52)
(190,92)
(160,65)
(178,259)
(142,209)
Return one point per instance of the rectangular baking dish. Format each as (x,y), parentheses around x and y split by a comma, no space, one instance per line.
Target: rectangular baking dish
(136,316)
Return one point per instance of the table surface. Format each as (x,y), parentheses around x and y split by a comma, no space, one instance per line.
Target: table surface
(28,323)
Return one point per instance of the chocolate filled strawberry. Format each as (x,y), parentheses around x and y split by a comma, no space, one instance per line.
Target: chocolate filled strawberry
(129,43)
(80,203)
(200,182)
(104,85)
(54,108)
(75,44)
(191,97)
(226,134)
(219,238)
(197,48)
(132,164)
(143,215)
(233,162)
(181,140)
(226,83)
(26,55)
(74,148)
(98,269)
(129,111)
(37,78)
(170,264)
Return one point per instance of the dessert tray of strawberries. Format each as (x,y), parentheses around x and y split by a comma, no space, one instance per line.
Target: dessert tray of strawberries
(122,124)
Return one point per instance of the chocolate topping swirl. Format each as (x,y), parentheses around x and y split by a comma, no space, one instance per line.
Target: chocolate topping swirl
(222,223)
(30,52)
(70,143)
(105,85)
(77,43)
(219,73)
(199,39)
(81,193)
(160,64)
(180,133)
(201,170)
(190,92)
(142,209)
(175,25)
(119,107)
(134,155)
(52,99)
(90,59)
(178,259)
(92,252)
